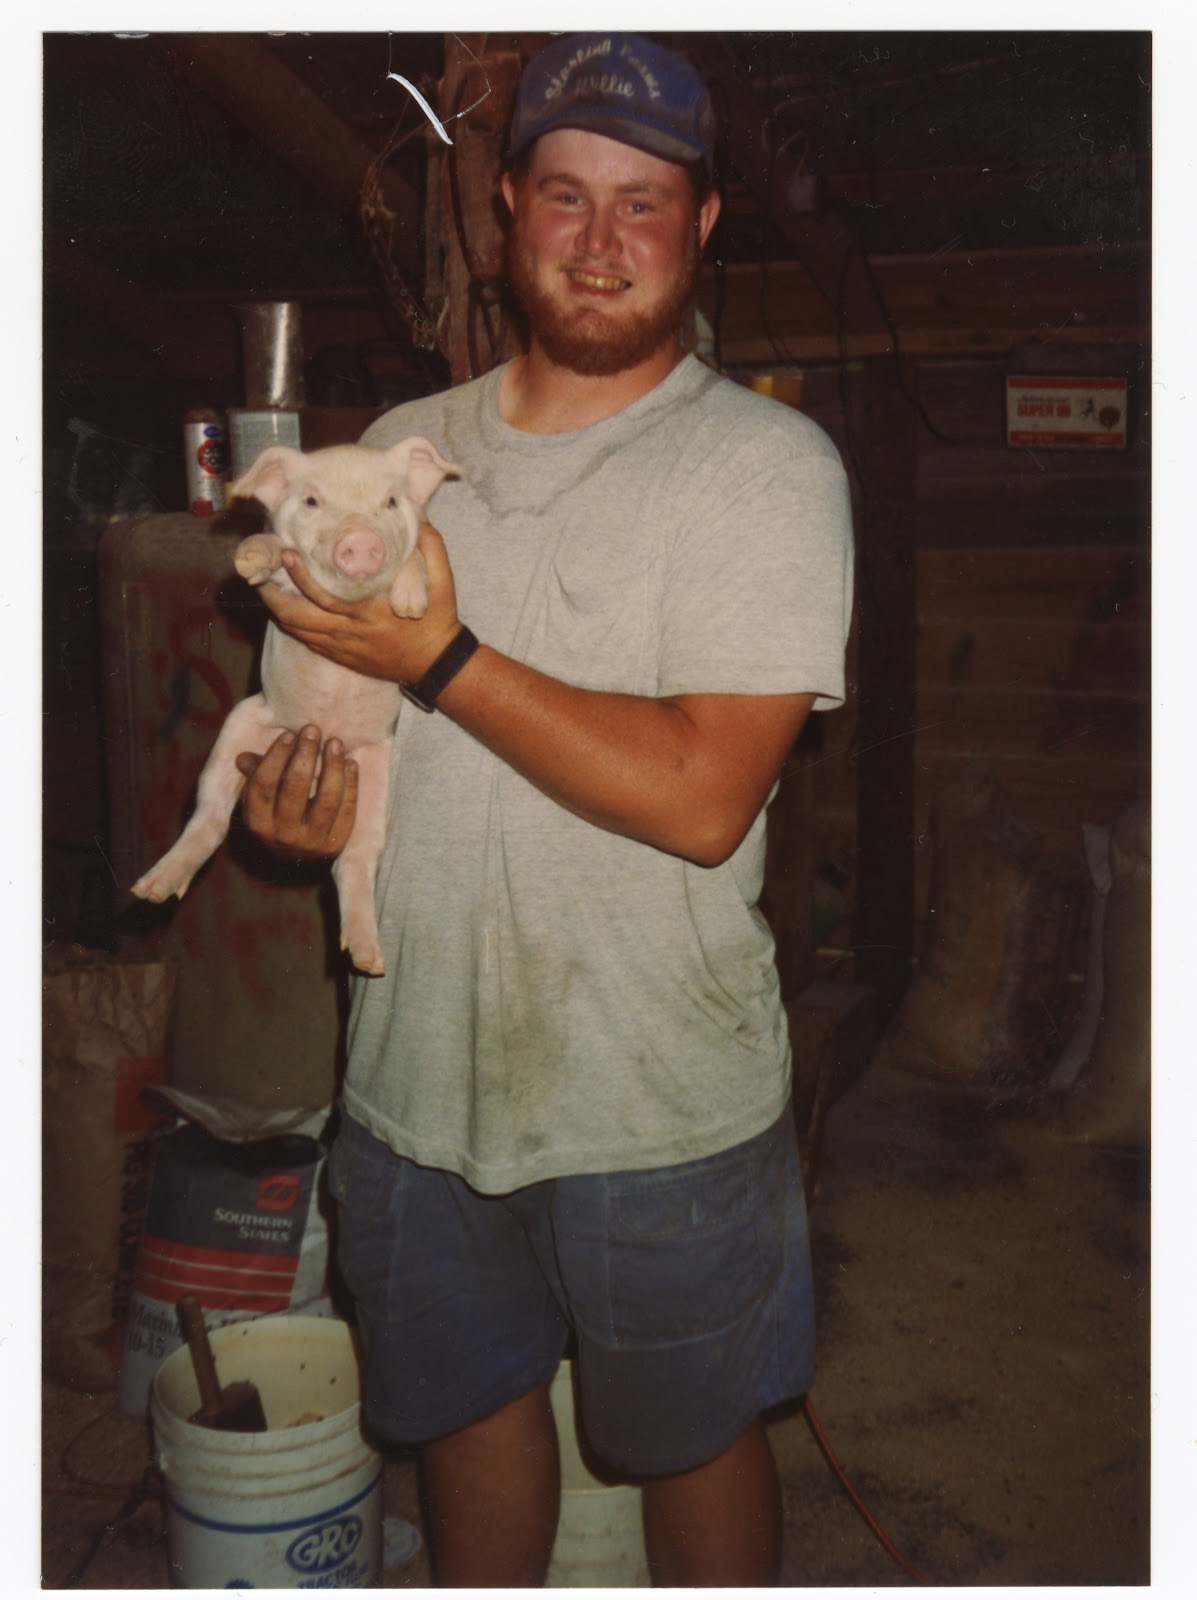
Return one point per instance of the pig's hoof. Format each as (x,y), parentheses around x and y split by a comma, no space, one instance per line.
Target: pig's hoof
(157,888)
(409,596)
(254,560)
(365,955)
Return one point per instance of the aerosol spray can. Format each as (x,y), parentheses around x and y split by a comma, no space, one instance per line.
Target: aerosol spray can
(204,454)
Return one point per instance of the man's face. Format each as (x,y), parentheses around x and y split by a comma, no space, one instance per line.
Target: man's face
(604,249)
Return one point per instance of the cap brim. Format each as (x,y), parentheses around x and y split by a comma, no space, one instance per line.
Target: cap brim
(627,131)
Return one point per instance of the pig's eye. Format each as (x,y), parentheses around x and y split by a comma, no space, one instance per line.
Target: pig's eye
(392,503)
(311,500)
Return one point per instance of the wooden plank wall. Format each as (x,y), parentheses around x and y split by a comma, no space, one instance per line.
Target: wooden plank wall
(1033,606)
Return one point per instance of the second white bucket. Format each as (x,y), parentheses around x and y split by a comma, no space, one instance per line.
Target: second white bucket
(600,1534)
(296,1507)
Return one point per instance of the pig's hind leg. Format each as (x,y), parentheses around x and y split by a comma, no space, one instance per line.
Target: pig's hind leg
(249,726)
(356,868)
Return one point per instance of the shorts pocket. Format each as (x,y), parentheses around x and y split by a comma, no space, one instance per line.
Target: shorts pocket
(693,1249)
(367,1185)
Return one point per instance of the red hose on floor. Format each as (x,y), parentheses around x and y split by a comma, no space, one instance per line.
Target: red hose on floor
(883,1538)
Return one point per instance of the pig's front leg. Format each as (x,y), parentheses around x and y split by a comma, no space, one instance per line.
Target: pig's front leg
(409,589)
(356,868)
(259,557)
(249,726)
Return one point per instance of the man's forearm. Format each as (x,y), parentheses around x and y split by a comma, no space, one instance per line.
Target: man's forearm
(685,774)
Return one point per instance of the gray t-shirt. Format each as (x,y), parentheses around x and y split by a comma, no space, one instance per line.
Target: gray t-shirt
(559,998)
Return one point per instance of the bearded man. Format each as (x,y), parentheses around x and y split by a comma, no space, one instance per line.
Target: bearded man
(565,1114)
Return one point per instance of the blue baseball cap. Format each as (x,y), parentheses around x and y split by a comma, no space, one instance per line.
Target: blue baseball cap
(621,85)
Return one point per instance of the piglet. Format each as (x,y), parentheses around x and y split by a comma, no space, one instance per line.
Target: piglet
(354,514)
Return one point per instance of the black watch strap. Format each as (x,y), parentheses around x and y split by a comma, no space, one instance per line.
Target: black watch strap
(442,671)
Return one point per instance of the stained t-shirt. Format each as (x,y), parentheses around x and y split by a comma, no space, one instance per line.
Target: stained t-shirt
(558,998)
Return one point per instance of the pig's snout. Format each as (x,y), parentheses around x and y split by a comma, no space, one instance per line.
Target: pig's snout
(359,553)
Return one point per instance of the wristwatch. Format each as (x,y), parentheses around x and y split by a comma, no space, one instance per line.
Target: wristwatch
(442,671)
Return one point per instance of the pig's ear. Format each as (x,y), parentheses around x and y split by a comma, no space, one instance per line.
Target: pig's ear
(423,467)
(268,476)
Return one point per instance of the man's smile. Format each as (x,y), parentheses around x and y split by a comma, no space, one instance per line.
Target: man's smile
(605,282)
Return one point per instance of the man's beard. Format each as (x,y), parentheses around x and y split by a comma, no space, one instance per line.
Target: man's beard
(596,343)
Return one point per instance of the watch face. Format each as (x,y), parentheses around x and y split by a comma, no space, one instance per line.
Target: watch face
(410,692)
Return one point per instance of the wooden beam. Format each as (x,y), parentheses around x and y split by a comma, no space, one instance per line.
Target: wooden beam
(475,333)
(248,81)
(949,306)
(887,423)
(958,303)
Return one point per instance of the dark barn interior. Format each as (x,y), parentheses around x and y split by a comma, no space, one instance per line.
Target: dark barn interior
(923,236)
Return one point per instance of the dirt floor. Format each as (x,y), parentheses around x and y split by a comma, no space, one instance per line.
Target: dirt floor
(983,1373)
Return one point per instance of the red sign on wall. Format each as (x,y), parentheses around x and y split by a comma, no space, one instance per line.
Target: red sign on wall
(1075,413)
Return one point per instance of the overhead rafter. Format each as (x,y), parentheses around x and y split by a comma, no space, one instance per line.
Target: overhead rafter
(251,84)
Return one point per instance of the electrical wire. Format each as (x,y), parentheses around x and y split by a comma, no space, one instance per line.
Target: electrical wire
(67,1467)
(89,1491)
(892,329)
(128,1510)
(766,214)
(878,1531)
(80,1487)
(719,103)
(720,307)
(856,247)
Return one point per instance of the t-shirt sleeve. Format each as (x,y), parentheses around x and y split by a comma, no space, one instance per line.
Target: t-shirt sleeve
(758,590)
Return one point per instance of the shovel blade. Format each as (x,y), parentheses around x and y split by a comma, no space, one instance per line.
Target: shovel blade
(240,1411)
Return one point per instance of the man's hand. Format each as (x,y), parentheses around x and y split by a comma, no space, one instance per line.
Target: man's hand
(367,635)
(280,807)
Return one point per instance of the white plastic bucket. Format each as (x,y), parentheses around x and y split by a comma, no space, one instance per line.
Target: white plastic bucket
(600,1534)
(296,1507)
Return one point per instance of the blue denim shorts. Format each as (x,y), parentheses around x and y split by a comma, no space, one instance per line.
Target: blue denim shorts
(687,1290)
